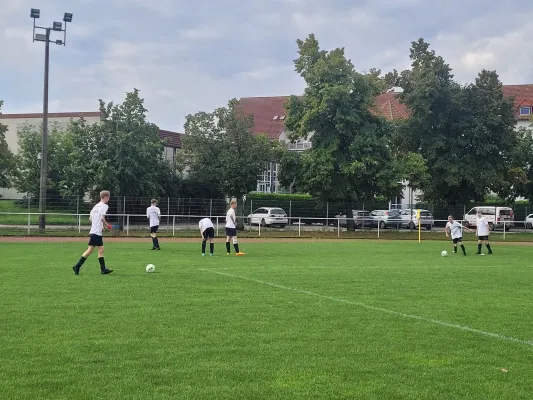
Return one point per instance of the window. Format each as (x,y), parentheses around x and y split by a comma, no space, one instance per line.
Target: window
(525,110)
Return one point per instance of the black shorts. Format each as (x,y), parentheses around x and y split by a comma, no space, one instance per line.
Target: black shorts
(96,240)
(457,240)
(231,232)
(153,229)
(209,233)
(482,238)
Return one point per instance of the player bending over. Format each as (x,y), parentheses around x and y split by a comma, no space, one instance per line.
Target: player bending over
(482,228)
(207,231)
(153,213)
(455,229)
(98,221)
(231,230)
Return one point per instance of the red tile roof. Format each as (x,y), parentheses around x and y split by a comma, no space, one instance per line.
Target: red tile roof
(387,105)
(172,139)
(523,94)
(264,110)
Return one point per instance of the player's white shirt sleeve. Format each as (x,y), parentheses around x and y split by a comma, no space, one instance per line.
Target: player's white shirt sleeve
(230,219)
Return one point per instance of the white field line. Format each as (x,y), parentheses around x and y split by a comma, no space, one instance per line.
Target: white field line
(380,309)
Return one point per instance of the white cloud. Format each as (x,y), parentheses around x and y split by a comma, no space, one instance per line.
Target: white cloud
(191,56)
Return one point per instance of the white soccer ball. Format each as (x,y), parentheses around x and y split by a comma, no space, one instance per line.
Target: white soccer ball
(444,253)
(150,268)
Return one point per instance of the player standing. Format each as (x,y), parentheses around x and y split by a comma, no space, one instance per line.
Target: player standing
(231,229)
(482,227)
(98,221)
(455,229)
(153,213)
(207,230)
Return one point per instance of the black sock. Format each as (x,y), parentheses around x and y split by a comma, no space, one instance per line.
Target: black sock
(455,249)
(102,263)
(479,247)
(488,247)
(236,246)
(227,247)
(80,263)
(156,241)
(212,248)
(203,246)
(463,248)
(153,242)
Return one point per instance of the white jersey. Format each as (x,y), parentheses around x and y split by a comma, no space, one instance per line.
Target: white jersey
(456,229)
(482,226)
(230,219)
(95,217)
(153,213)
(204,224)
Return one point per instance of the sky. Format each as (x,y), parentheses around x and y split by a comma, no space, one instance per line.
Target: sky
(189,56)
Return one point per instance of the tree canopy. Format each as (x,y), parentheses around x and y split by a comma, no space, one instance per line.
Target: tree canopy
(6,157)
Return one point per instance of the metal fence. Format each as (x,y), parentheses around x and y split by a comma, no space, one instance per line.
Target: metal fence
(187,225)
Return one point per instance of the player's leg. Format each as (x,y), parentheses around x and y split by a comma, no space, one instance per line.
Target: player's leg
(479,244)
(454,241)
(156,228)
(204,242)
(236,246)
(487,244)
(101,260)
(84,256)
(462,245)
(211,235)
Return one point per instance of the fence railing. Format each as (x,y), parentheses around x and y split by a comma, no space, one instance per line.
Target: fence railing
(178,225)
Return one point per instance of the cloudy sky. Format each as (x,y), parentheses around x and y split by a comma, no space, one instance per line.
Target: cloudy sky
(186,56)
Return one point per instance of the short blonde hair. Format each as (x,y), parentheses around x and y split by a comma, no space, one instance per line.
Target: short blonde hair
(154,201)
(233,202)
(104,193)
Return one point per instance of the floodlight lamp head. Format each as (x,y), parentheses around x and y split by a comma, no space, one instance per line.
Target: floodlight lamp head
(35,13)
(57,26)
(67,17)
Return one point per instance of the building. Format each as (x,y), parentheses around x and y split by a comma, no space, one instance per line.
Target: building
(14,121)
(269,115)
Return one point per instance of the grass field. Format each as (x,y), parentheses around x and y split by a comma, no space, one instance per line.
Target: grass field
(300,320)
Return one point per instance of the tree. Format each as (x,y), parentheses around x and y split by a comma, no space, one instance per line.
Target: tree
(26,178)
(219,151)
(465,133)
(351,158)
(6,158)
(123,153)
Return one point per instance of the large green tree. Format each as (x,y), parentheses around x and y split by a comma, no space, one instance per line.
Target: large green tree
(123,153)
(465,133)
(26,178)
(6,157)
(351,158)
(219,151)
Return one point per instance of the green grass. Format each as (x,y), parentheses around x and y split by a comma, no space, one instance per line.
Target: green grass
(284,322)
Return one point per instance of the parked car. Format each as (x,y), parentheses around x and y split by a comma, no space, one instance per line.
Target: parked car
(386,219)
(409,220)
(495,215)
(361,219)
(529,221)
(269,216)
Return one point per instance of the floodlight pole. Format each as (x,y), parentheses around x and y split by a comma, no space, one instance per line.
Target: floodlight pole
(44,146)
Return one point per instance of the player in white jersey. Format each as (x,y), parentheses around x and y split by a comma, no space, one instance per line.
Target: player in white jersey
(482,227)
(207,231)
(231,230)
(98,221)
(153,213)
(455,229)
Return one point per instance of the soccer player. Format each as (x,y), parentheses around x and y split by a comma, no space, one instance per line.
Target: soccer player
(482,228)
(98,221)
(153,213)
(455,229)
(231,230)
(207,231)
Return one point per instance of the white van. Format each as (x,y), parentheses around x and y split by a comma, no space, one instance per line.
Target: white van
(496,216)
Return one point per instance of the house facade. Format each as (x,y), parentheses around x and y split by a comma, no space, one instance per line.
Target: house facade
(15,121)
(269,116)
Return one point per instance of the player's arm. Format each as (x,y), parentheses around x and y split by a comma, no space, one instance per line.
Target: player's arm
(447,231)
(104,221)
(232,216)
(158,214)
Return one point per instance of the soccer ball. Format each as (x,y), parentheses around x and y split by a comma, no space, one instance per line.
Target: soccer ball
(444,253)
(150,268)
